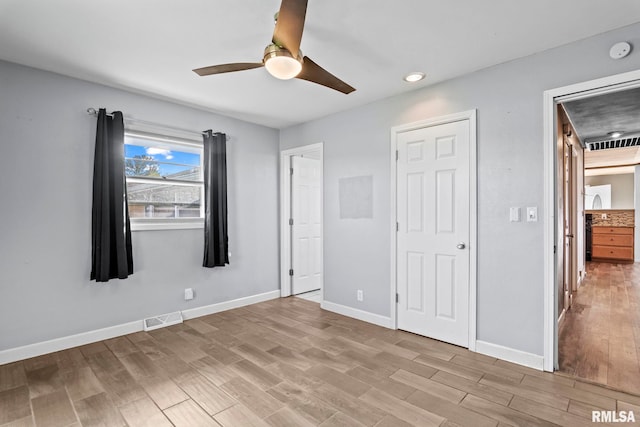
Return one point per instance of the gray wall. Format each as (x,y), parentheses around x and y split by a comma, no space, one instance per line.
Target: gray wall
(508,98)
(46,166)
(622,192)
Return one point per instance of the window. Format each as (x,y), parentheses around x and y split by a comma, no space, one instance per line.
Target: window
(165,186)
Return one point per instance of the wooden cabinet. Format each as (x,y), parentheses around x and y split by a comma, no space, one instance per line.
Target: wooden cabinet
(612,243)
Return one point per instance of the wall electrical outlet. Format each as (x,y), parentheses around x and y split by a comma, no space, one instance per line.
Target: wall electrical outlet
(532,214)
(188,294)
(360,295)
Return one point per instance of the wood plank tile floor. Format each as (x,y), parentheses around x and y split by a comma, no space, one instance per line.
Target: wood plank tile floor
(286,362)
(599,339)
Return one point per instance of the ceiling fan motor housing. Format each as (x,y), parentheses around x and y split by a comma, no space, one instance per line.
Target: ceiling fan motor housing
(280,63)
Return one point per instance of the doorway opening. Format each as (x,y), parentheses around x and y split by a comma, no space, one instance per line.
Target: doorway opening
(301,222)
(592,288)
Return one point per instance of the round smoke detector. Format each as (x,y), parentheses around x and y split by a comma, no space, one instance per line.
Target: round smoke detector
(620,50)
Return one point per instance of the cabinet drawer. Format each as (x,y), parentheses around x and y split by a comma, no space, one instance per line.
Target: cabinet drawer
(613,239)
(612,230)
(612,252)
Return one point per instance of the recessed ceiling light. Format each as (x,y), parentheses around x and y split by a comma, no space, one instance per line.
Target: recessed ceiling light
(615,134)
(414,77)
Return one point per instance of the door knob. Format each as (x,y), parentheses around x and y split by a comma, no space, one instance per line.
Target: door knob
(461,245)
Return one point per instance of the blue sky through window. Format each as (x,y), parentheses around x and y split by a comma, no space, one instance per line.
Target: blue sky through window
(169,162)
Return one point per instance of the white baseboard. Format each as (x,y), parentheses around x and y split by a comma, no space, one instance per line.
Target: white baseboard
(365,316)
(510,355)
(58,344)
(50,346)
(228,305)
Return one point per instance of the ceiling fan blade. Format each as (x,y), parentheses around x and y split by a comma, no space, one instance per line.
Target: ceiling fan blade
(289,26)
(312,72)
(227,68)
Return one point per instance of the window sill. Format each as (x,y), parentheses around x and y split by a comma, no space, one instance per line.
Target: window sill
(164,224)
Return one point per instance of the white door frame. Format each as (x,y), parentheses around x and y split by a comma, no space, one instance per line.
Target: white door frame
(317,151)
(473,213)
(551,98)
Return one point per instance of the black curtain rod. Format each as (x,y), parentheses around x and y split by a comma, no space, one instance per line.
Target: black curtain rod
(93,112)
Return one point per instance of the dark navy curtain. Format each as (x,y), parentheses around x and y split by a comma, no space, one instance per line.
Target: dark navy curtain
(216,240)
(111,256)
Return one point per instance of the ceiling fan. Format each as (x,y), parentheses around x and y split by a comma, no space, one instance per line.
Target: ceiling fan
(283,58)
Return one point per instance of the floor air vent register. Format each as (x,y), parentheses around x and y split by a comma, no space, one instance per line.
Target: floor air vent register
(162,321)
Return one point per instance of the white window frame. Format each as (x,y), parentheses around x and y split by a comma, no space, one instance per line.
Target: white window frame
(170,143)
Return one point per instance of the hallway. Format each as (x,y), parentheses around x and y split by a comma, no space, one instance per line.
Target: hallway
(600,336)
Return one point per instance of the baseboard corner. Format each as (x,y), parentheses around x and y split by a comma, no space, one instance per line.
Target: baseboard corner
(355,313)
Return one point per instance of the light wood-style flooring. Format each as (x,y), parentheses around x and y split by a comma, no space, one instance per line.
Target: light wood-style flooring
(599,339)
(286,362)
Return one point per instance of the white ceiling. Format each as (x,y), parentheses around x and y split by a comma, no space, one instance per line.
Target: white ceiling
(626,156)
(151,46)
(616,170)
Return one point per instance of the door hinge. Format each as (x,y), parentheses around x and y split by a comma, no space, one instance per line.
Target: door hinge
(290,221)
(555,248)
(397,298)
(397,155)
(291,272)
(291,171)
(397,226)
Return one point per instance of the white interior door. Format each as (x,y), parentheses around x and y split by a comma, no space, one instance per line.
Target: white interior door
(306,227)
(433,231)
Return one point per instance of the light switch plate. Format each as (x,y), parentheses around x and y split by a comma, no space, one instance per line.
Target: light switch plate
(514,214)
(532,214)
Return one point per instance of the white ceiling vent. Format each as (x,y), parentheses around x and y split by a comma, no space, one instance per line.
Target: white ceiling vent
(163,320)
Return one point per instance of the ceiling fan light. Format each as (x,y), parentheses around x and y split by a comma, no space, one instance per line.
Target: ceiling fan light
(283,67)
(280,63)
